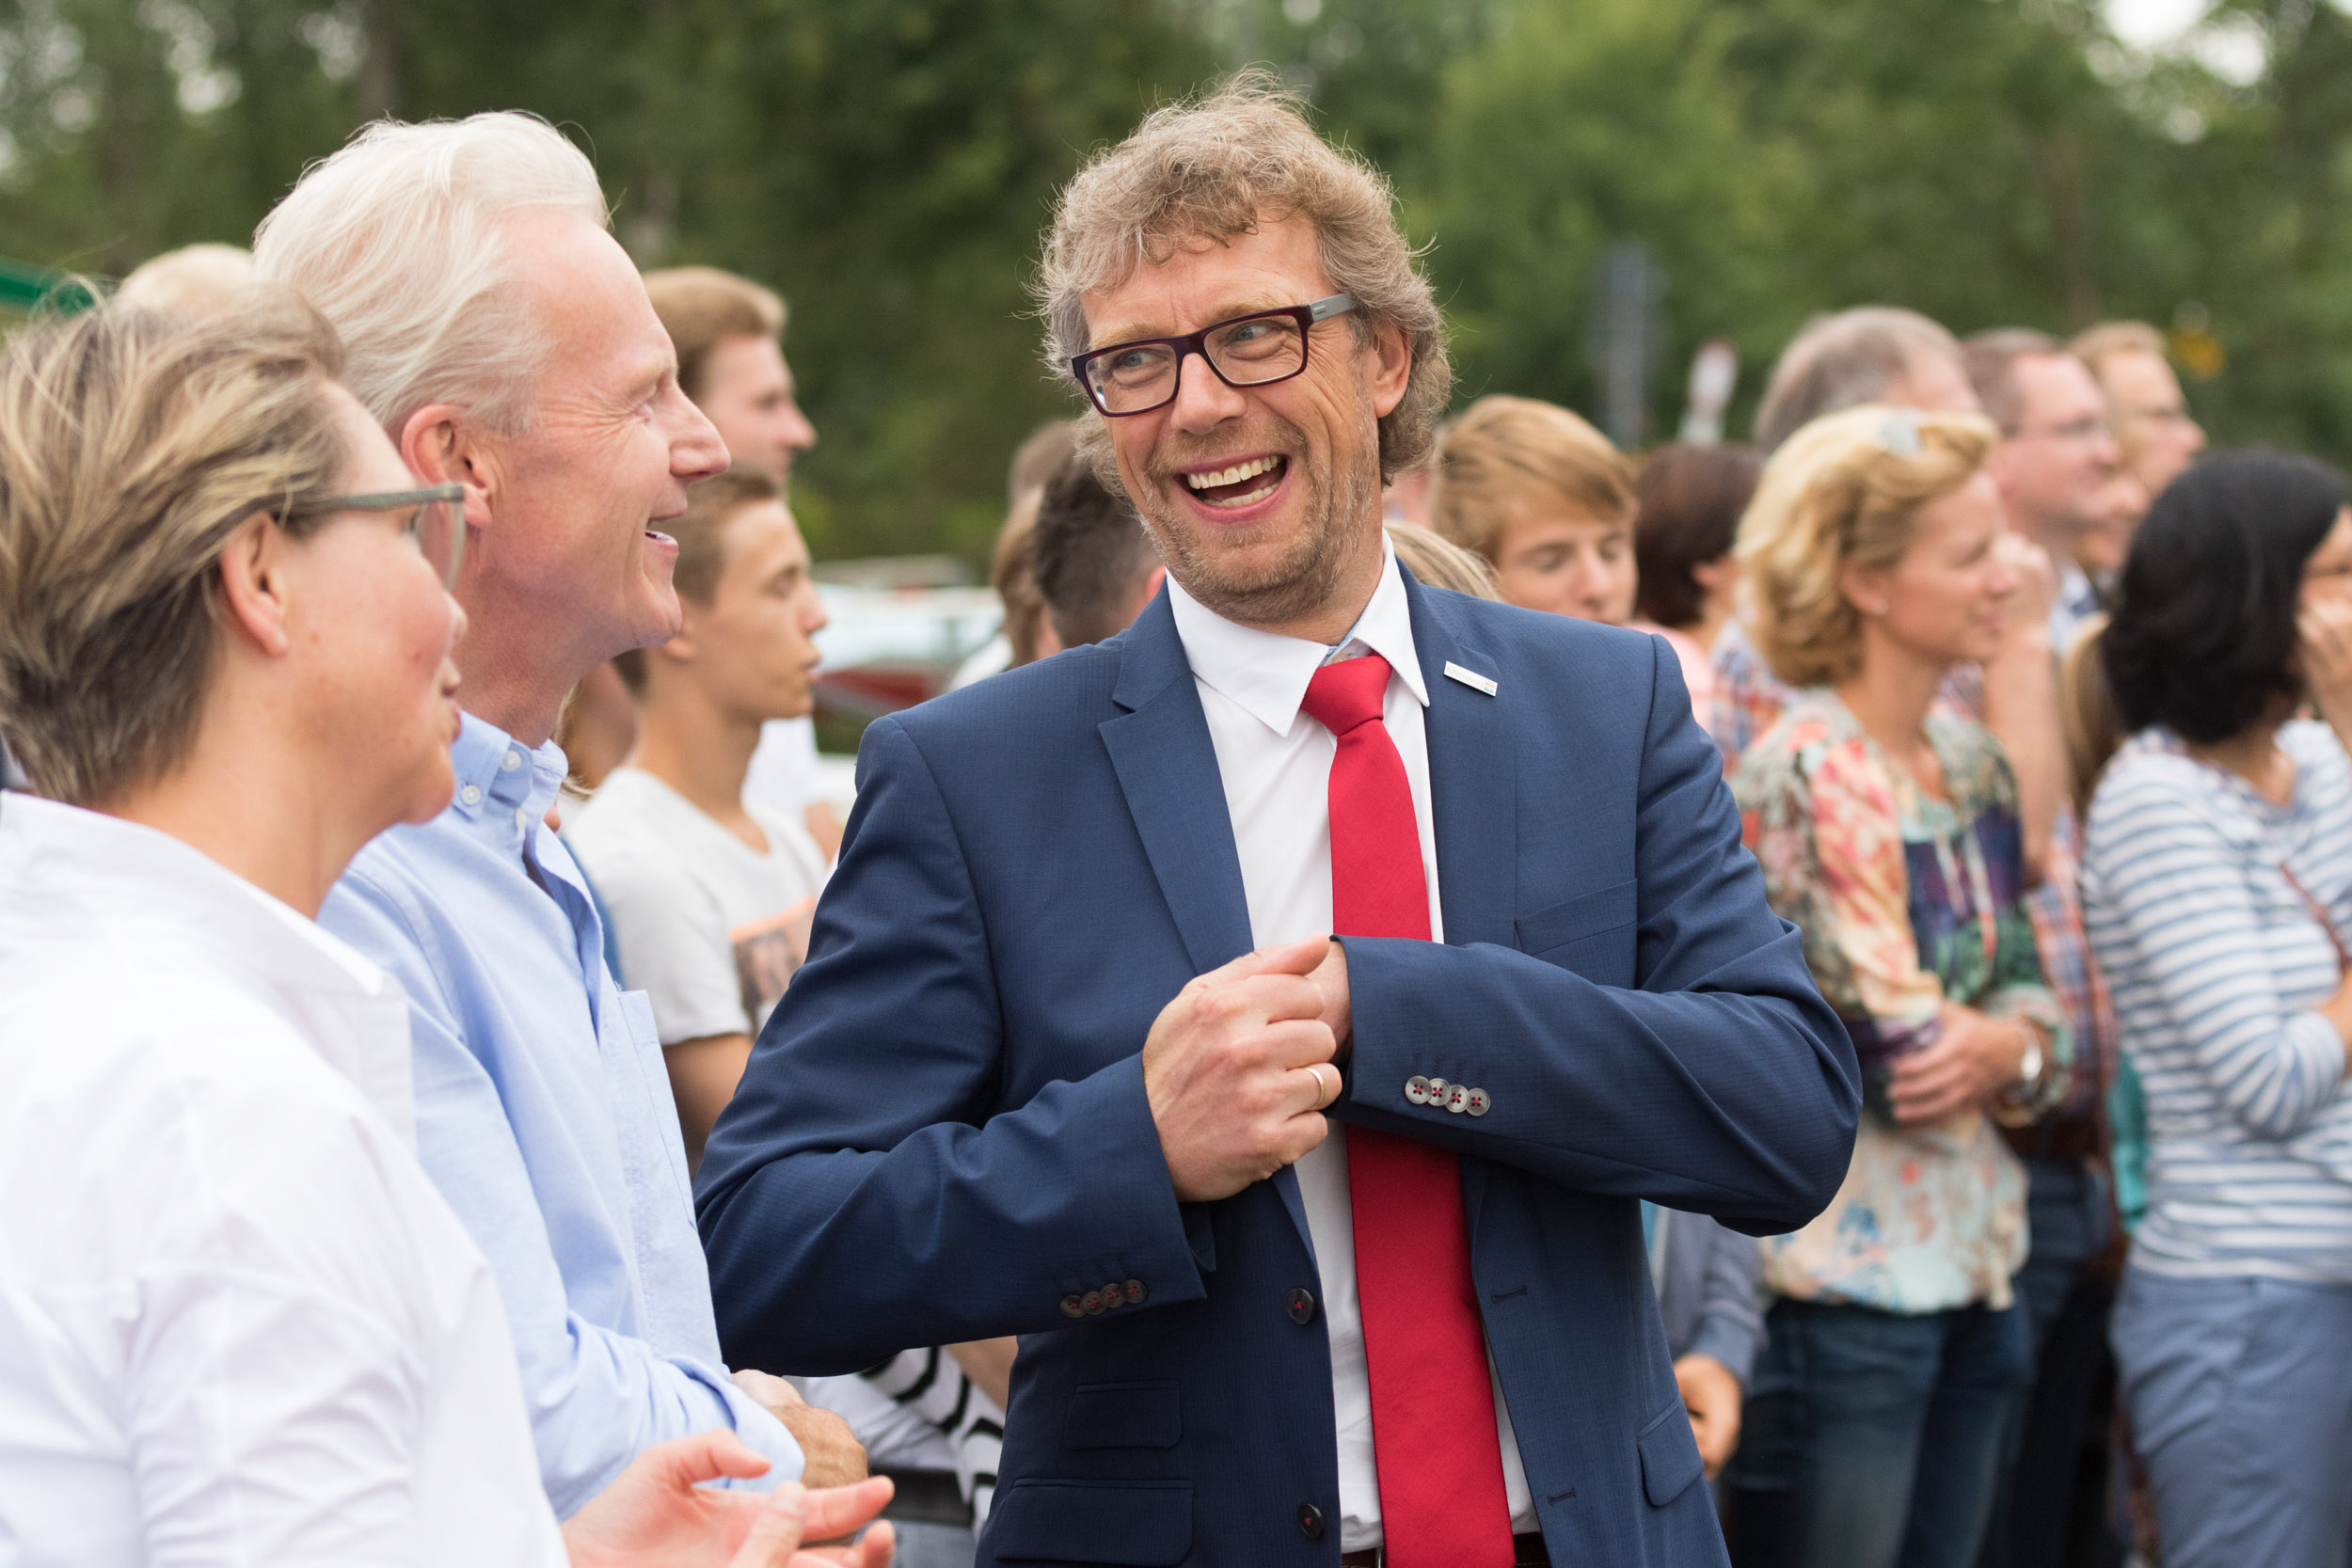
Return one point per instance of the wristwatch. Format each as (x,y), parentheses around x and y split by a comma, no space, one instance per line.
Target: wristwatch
(2031,1069)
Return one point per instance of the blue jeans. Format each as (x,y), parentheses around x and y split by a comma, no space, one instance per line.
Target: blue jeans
(1872,1439)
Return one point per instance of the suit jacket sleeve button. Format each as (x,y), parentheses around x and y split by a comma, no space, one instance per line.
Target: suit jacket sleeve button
(1480,1102)
(1134,1292)
(1114,1294)
(1311,1521)
(1091,1302)
(1072,1308)
(1457,1098)
(1417,1089)
(1301,1303)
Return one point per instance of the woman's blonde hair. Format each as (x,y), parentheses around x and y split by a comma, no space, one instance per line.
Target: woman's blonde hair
(1844,488)
(1508,458)
(1436,562)
(132,445)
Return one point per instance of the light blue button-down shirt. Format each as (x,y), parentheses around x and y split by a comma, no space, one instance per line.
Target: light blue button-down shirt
(544,1115)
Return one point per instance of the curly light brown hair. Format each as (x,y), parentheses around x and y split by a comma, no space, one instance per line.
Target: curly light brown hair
(1217,166)
(1847,487)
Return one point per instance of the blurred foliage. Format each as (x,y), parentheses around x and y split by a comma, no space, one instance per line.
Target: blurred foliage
(889,164)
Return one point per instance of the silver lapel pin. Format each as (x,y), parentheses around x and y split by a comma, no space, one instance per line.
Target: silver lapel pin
(1470,678)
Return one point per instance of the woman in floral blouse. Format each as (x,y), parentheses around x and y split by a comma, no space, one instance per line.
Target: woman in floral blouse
(1888,832)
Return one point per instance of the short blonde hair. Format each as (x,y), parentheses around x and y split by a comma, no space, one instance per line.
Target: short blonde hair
(1512,457)
(1846,488)
(133,443)
(1216,167)
(702,307)
(2094,346)
(193,280)
(399,239)
(1436,562)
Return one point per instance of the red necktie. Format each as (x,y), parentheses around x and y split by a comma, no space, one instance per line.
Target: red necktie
(1433,1411)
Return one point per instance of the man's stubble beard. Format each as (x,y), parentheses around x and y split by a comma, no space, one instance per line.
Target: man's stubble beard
(1304,578)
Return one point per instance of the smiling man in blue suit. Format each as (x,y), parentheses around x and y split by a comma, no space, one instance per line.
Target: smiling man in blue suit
(1276,1014)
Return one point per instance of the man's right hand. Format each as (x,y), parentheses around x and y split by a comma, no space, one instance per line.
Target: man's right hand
(1238,1069)
(830,1456)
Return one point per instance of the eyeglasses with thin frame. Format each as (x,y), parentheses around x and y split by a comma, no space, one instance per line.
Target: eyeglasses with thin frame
(1255,350)
(435,522)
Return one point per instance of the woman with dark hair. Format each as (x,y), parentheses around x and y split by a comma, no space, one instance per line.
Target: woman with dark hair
(1687,505)
(2217,883)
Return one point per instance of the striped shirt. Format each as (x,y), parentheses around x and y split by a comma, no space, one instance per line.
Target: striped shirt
(2215,960)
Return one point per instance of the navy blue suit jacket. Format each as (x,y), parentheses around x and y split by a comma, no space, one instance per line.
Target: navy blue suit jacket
(942,1131)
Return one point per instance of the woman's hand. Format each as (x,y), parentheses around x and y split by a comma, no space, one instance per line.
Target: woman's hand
(2324,627)
(655,1514)
(1973,1061)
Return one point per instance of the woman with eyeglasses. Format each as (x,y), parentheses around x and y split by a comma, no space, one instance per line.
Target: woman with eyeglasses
(2218,888)
(237,1323)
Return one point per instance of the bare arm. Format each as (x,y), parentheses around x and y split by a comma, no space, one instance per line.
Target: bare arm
(702,1074)
(2021,703)
(989,1364)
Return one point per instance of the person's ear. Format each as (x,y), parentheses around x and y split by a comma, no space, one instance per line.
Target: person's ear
(1863,587)
(1716,575)
(440,444)
(1391,366)
(681,648)
(256,583)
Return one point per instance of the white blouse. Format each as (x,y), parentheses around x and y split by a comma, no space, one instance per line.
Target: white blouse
(237,1323)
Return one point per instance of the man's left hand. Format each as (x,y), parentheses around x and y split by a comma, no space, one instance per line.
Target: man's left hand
(1712,1397)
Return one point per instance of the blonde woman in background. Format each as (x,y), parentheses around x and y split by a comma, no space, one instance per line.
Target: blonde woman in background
(1890,833)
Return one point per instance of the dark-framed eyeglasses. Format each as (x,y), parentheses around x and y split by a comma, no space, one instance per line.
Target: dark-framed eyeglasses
(1255,350)
(436,523)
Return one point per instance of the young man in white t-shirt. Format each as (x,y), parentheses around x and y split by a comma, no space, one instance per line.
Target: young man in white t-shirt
(709,898)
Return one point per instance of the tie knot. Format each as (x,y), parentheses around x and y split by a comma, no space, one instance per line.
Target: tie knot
(1343,695)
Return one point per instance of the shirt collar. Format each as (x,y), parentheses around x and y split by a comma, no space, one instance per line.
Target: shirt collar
(1265,673)
(71,862)
(503,786)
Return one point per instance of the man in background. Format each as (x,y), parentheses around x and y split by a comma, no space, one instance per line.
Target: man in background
(711,897)
(729,332)
(2056,463)
(1093,563)
(2145,405)
(1870,353)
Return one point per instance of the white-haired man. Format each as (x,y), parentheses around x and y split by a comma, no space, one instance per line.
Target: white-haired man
(505,342)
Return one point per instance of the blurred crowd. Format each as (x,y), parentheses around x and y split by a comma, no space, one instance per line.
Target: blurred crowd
(2033,711)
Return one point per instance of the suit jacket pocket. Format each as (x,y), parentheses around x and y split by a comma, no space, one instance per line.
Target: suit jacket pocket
(1125,1416)
(1670,1456)
(1591,933)
(1137,1523)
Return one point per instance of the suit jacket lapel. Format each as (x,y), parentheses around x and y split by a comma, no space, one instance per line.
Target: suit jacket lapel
(1473,785)
(1166,768)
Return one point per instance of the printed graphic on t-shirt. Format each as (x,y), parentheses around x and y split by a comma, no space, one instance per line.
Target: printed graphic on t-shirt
(764,962)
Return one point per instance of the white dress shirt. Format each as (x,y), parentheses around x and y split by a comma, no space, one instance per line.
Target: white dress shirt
(237,1323)
(1276,763)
